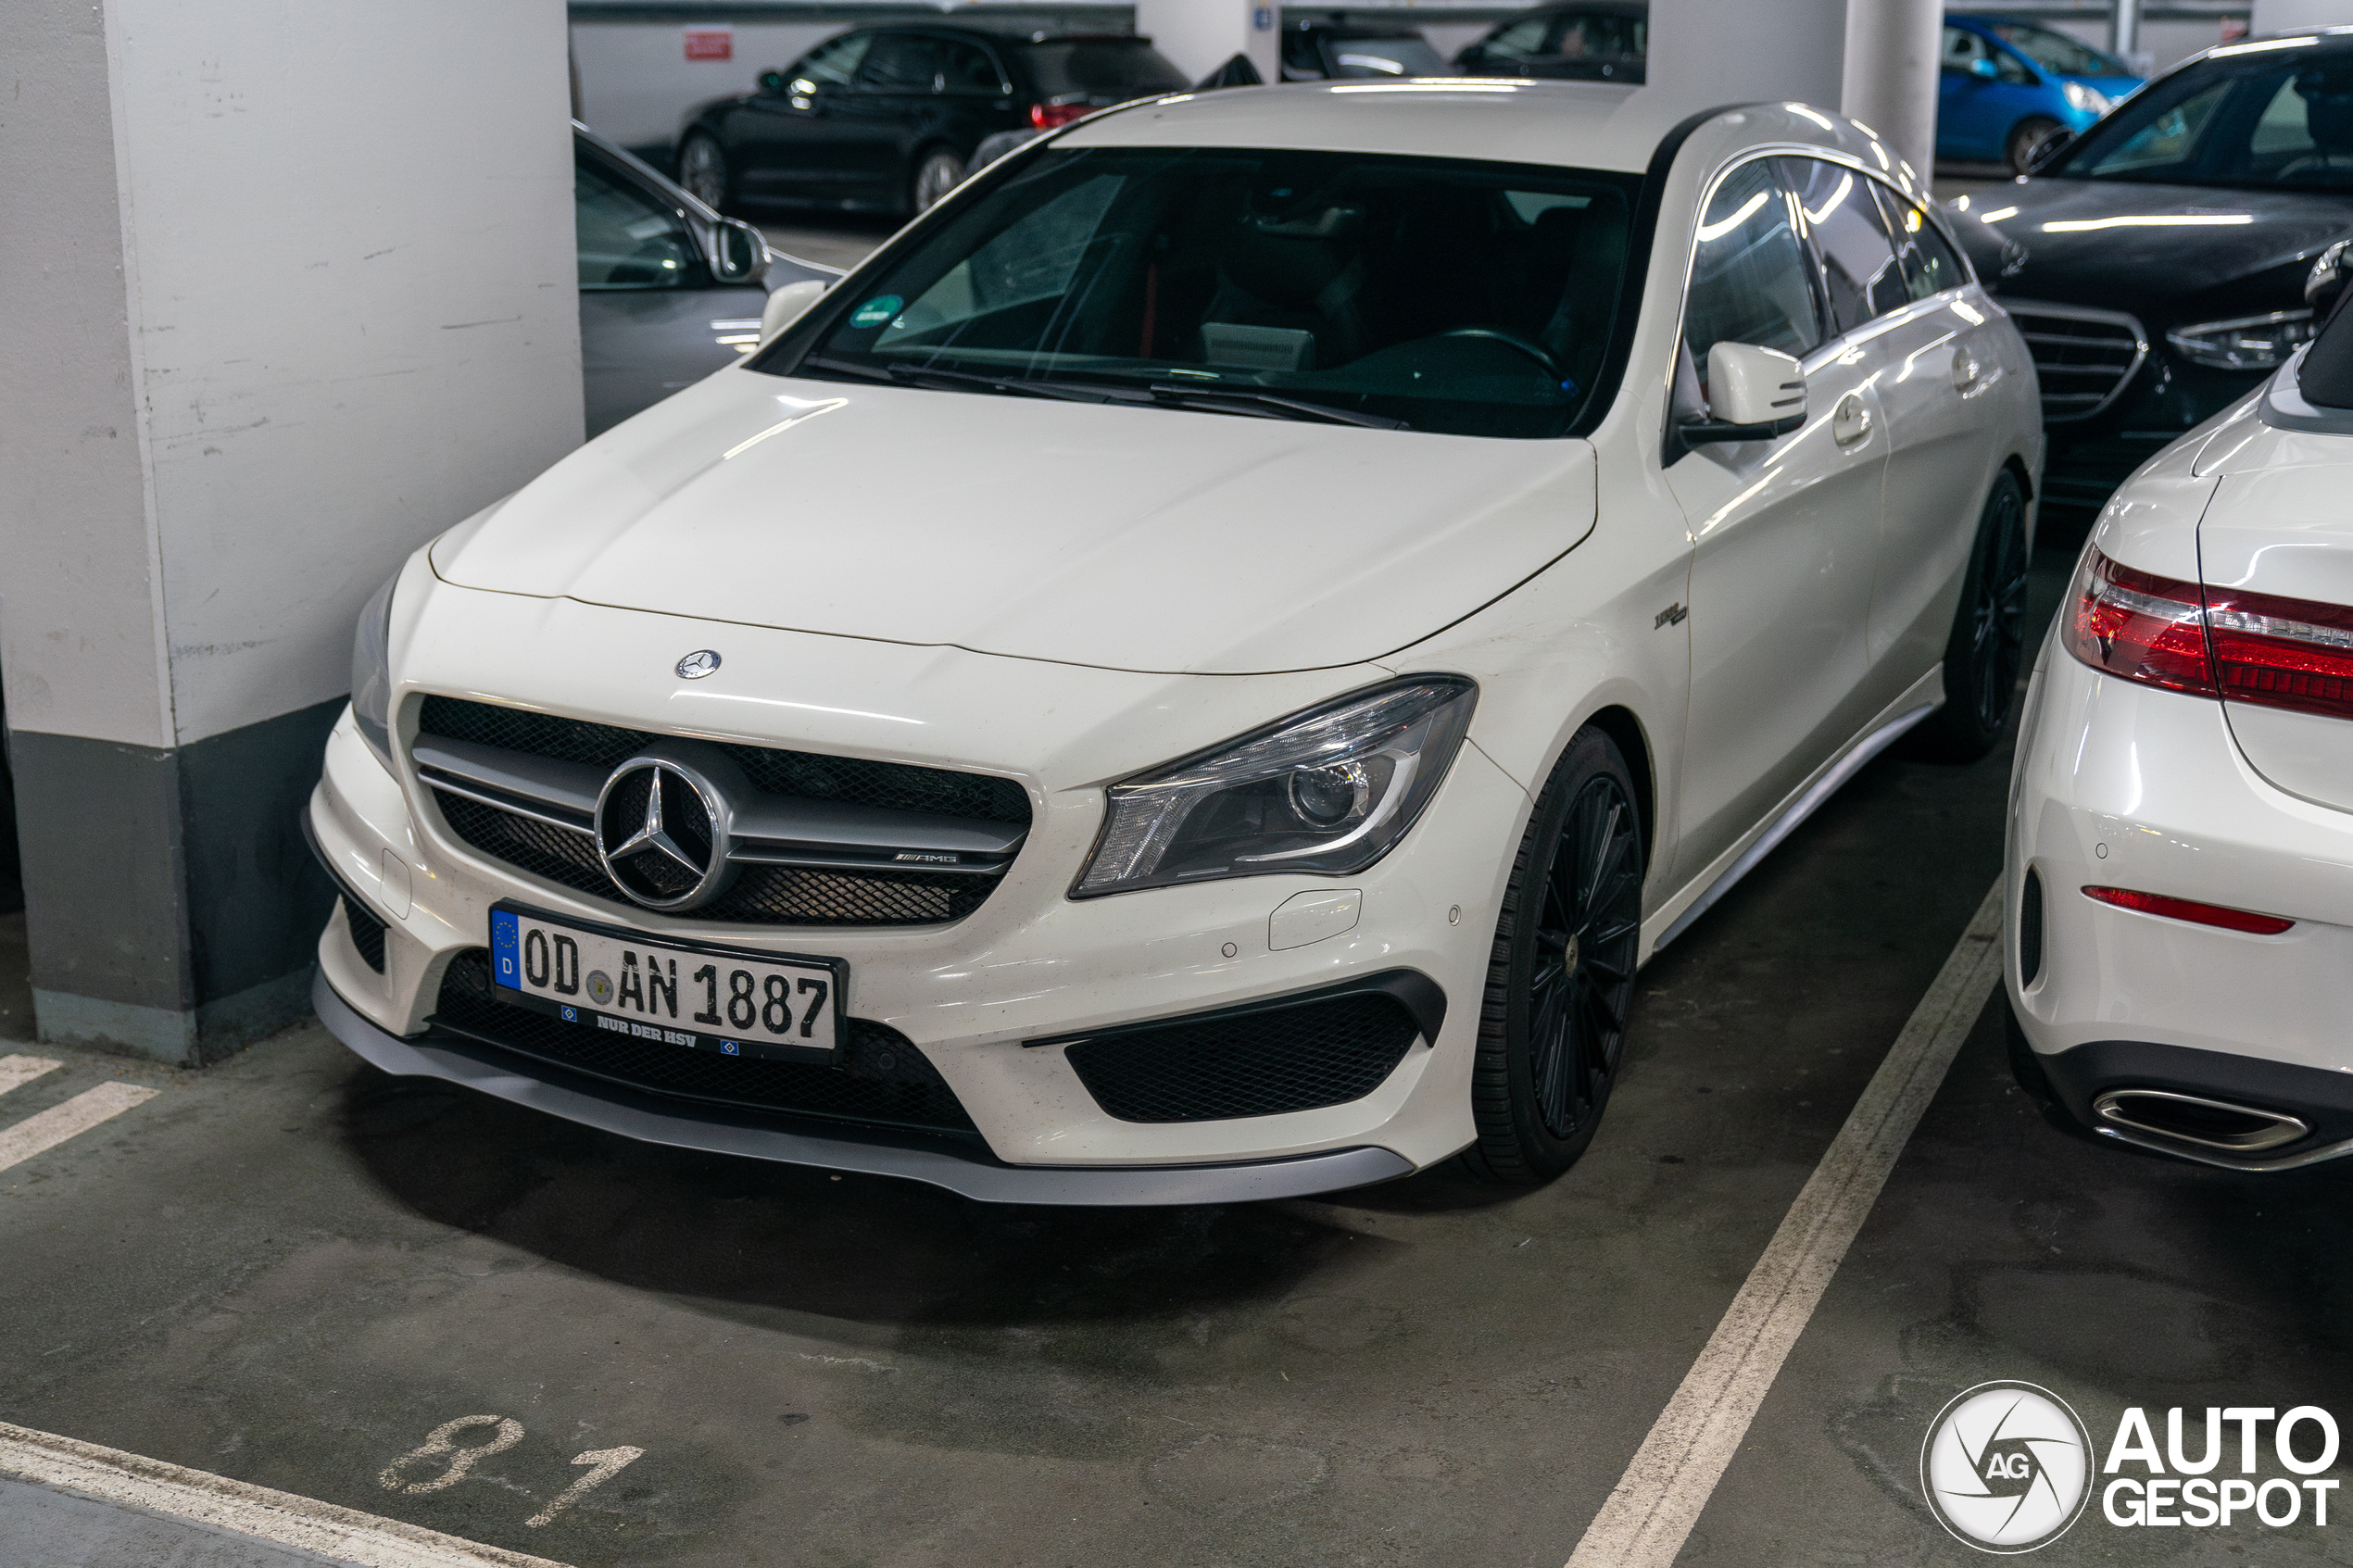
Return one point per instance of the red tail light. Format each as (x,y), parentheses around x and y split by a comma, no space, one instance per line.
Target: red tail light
(2281,652)
(2138,625)
(1046,117)
(2190,910)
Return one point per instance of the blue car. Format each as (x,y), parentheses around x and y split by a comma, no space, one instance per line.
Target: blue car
(2008,85)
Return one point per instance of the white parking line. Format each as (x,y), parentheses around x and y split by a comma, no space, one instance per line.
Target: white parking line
(45,1131)
(16,1070)
(1650,1511)
(343,1535)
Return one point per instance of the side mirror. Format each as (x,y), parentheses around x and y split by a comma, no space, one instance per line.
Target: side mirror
(1753,392)
(788,305)
(772,81)
(739,252)
(1985,68)
(2326,281)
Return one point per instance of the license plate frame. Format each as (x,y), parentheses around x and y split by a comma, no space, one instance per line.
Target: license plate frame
(683,1023)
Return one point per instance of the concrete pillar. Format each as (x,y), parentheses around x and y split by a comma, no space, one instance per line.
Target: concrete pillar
(1891,52)
(2287,15)
(290,291)
(2124,30)
(1199,35)
(1705,52)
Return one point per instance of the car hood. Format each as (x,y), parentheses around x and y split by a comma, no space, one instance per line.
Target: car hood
(2154,258)
(1129,538)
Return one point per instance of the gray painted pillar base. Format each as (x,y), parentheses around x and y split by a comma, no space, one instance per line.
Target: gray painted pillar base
(172,908)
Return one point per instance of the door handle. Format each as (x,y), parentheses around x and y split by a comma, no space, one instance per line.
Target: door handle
(1965,368)
(1850,420)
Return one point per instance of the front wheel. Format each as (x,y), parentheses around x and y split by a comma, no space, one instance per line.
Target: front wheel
(1981,658)
(940,172)
(702,169)
(1560,977)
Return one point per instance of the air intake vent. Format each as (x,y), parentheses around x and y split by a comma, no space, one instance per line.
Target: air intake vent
(2083,357)
(367,932)
(2030,931)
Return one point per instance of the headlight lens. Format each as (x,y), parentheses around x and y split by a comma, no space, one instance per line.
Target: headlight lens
(1328,791)
(371,671)
(2083,98)
(2244,343)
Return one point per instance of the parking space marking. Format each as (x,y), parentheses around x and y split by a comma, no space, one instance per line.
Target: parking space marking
(17,1069)
(37,1133)
(280,1518)
(1651,1511)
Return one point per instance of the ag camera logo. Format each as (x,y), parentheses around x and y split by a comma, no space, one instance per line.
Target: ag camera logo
(2006,1467)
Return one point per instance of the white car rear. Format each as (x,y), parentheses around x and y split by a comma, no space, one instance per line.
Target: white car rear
(2180,844)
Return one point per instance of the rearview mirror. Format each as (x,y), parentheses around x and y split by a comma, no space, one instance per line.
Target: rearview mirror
(739,252)
(788,305)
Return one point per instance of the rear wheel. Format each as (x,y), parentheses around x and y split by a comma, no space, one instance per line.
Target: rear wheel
(2025,136)
(1989,634)
(1560,976)
(702,169)
(938,172)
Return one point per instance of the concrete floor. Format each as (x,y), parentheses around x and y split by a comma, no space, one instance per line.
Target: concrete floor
(289,1270)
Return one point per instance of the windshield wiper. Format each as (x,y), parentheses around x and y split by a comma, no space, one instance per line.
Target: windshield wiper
(1266,405)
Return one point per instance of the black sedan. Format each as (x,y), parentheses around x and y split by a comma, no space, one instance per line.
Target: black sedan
(887,118)
(2156,265)
(1576,41)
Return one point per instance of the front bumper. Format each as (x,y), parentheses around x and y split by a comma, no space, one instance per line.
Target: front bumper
(2127,785)
(939,1163)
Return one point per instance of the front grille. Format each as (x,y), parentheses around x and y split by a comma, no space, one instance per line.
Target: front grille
(882,1080)
(2083,357)
(760,895)
(1297,1057)
(367,932)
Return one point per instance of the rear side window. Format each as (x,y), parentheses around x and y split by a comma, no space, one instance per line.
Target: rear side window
(901,62)
(1928,264)
(1859,271)
(1104,69)
(1749,272)
(968,68)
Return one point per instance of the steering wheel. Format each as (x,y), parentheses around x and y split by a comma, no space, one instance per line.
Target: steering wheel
(1511,340)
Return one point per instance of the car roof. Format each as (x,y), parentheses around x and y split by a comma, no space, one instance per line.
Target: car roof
(1638,9)
(981,33)
(1569,124)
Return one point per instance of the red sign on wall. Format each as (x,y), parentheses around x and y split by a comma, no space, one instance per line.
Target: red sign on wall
(711,43)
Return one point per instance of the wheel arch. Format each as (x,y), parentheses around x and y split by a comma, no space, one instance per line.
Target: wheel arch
(1625,732)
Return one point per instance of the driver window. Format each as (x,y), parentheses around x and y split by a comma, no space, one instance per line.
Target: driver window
(1519,40)
(831,65)
(627,240)
(1749,272)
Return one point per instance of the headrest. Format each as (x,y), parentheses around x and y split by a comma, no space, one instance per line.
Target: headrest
(2328,107)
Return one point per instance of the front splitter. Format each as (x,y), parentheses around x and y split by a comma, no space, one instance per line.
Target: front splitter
(909,1157)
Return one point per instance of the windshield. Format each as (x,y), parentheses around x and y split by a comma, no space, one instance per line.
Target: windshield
(1408,55)
(1100,68)
(2057,52)
(2279,117)
(1457,296)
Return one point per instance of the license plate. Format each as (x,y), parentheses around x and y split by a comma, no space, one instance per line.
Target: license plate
(687,995)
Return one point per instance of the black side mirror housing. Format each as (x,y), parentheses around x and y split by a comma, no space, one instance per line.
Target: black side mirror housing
(772,81)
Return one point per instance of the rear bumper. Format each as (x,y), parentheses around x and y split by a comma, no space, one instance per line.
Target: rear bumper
(2321,1100)
(940,1161)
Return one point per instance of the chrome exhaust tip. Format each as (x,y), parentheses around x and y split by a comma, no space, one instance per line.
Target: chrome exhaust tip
(2193,1119)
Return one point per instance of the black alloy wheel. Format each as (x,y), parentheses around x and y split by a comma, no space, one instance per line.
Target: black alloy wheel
(938,172)
(702,169)
(1989,634)
(2025,136)
(1560,978)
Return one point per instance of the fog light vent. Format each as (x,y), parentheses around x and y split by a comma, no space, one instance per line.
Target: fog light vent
(2030,931)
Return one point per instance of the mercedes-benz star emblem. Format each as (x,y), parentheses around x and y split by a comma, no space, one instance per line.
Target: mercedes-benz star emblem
(697,664)
(659,830)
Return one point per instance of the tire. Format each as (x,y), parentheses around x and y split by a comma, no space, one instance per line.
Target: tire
(938,172)
(1983,655)
(2025,136)
(1551,1033)
(702,169)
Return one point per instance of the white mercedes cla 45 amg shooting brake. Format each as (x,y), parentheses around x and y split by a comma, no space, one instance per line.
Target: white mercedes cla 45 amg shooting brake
(2179,872)
(1200,671)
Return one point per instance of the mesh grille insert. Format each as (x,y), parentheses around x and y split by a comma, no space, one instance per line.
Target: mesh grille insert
(367,932)
(883,1079)
(760,895)
(1297,1058)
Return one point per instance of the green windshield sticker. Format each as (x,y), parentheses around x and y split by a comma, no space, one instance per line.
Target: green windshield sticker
(878,311)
